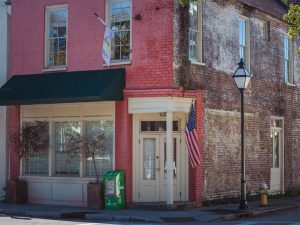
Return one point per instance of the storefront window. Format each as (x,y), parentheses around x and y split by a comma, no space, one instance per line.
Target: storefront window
(36,163)
(66,163)
(103,160)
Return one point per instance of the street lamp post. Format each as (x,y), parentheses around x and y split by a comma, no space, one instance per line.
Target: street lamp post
(242,77)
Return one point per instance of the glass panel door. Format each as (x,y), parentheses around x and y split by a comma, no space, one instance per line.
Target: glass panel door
(149,162)
(275,148)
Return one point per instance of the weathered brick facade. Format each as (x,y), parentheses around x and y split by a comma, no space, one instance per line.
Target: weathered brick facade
(159,64)
(266,96)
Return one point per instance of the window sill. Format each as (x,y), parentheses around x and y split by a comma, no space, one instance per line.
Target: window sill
(52,69)
(57,178)
(290,84)
(118,63)
(193,62)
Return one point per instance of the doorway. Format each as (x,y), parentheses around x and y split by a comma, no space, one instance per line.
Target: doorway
(276,181)
(149,173)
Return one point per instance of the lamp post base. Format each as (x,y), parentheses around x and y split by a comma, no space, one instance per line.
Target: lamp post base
(243,205)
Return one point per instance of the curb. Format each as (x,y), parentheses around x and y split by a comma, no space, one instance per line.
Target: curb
(241,215)
(120,218)
(24,213)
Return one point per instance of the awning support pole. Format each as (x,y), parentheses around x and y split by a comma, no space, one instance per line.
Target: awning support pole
(169,184)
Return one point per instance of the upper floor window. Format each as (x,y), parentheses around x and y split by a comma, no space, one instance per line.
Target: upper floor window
(56,36)
(195,32)
(267,28)
(244,42)
(288,74)
(119,19)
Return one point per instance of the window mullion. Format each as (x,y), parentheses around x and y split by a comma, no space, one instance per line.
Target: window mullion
(51,149)
(82,160)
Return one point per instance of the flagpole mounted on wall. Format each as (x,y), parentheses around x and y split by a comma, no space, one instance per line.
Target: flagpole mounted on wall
(190,134)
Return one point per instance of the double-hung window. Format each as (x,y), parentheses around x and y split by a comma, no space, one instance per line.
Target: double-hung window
(56,36)
(244,43)
(288,73)
(119,19)
(195,32)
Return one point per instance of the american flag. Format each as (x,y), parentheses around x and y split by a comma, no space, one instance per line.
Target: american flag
(191,138)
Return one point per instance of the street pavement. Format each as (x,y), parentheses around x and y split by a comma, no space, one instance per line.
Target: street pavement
(205,214)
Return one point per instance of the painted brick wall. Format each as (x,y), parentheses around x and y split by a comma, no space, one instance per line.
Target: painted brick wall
(151,65)
(152,46)
(266,96)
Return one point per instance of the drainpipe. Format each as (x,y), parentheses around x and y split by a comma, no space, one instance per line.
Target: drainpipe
(5,12)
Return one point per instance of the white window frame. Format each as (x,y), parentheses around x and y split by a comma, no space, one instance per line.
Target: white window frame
(81,117)
(246,47)
(46,45)
(199,31)
(288,58)
(107,21)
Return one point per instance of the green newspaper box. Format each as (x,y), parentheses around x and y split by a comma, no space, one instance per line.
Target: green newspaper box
(114,193)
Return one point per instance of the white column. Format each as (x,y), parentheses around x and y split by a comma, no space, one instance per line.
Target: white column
(4,36)
(169,184)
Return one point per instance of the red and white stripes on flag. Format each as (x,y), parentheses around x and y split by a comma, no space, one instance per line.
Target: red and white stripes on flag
(191,138)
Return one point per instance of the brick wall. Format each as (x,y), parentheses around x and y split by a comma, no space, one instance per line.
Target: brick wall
(152,39)
(151,65)
(266,96)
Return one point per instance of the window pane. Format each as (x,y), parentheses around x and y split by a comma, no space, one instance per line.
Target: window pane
(242,52)
(157,126)
(37,163)
(57,32)
(104,160)
(66,164)
(120,20)
(194,16)
(149,162)
(62,44)
(243,33)
(120,11)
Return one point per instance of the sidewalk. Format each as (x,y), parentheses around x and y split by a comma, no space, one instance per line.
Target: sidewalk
(205,214)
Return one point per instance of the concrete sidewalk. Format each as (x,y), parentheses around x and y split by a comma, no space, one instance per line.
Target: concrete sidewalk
(205,214)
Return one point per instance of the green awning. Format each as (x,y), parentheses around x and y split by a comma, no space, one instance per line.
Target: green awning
(66,87)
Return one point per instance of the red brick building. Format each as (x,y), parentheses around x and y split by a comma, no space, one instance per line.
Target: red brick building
(59,77)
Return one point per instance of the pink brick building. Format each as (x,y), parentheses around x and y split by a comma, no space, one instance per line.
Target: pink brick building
(56,45)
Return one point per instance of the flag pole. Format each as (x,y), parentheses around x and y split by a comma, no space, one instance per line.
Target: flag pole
(116,36)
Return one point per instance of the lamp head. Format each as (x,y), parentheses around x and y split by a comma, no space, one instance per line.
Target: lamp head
(241,76)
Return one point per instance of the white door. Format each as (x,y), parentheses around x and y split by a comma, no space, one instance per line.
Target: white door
(152,164)
(277,163)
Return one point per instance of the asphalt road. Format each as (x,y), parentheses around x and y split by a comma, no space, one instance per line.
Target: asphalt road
(291,217)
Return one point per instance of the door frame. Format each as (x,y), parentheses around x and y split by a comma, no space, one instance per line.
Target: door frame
(281,150)
(184,171)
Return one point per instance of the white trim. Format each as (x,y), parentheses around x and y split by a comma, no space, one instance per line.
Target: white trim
(159,104)
(107,21)
(63,113)
(137,134)
(116,63)
(247,61)
(55,68)
(282,146)
(4,62)
(194,62)
(199,60)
